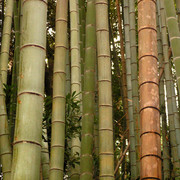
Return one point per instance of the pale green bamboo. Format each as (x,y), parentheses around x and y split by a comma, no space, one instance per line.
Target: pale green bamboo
(169,83)
(75,76)
(5,147)
(132,149)
(88,94)
(6,37)
(106,151)
(174,35)
(59,94)
(134,77)
(28,127)
(45,156)
(166,153)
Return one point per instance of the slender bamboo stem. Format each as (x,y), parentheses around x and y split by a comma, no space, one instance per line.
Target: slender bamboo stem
(106,151)
(75,75)
(68,73)
(59,93)
(169,84)
(166,153)
(28,127)
(174,35)
(178,11)
(135,88)
(129,90)
(149,91)
(6,37)
(124,80)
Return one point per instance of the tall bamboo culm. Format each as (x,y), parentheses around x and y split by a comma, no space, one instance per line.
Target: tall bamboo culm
(88,94)
(6,37)
(166,153)
(5,147)
(174,36)
(28,128)
(106,151)
(169,84)
(124,80)
(134,77)
(149,91)
(129,91)
(59,93)
(75,76)
(178,11)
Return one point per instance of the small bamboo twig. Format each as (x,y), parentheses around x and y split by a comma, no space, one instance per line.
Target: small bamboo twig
(121,158)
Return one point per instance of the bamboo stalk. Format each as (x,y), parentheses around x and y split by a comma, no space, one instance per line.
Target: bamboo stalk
(169,84)
(106,152)
(59,93)
(129,91)
(75,75)
(124,80)
(166,153)
(6,37)
(28,127)
(88,94)
(149,91)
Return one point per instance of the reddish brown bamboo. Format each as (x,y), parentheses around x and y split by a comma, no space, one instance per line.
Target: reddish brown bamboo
(124,81)
(149,91)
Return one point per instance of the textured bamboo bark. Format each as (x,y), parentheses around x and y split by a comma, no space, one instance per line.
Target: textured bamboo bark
(88,94)
(82,17)
(45,156)
(59,93)
(166,153)
(134,77)
(28,128)
(106,152)
(6,37)
(174,35)
(149,91)
(5,150)
(129,92)
(124,80)
(75,75)
(169,84)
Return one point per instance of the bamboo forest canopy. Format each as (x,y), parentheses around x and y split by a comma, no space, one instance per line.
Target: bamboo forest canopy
(89,89)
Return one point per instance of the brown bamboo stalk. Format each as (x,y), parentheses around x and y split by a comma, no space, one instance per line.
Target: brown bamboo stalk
(149,91)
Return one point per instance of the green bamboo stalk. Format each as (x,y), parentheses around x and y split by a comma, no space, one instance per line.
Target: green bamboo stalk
(75,75)
(106,151)
(129,89)
(59,94)
(6,37)
(45,156)
(166,153)
(82,16)
(88,94)
(174,35)
(28,127)
(134,77)
(5,147)
(169,84)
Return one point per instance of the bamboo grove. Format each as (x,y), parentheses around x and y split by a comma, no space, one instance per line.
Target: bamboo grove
(89,89)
